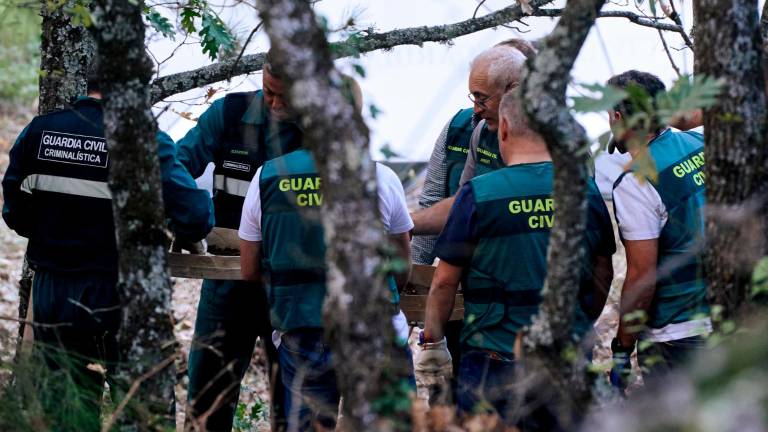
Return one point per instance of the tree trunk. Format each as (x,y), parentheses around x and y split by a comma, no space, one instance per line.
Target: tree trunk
(728,46)
(146,340)
(561,378)
(357,312)
(65,53)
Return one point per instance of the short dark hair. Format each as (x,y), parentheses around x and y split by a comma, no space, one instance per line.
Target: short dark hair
(647,81)
(269,64)
(521,45)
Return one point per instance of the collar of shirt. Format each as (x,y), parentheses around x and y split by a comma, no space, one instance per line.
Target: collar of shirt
(257,112)
(86,100)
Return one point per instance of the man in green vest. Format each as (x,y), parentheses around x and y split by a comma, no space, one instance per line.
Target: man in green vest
(237,134)
(661,223)
(495,243)
(282,239)
(491,72)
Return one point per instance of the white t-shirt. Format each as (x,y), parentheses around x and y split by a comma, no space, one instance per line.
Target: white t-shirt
(640,213)
(392,207)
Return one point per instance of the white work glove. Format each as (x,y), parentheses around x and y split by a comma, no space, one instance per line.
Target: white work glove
(433,367)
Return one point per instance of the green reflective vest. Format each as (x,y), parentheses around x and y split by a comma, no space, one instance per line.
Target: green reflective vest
(681,286)
(293,243)
(457,148)
(488,154)
(502,288)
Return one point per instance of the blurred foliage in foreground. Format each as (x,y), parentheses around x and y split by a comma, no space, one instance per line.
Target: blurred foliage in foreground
(19,53)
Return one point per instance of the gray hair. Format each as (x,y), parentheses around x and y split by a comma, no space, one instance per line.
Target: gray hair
(511,109)
(505,65)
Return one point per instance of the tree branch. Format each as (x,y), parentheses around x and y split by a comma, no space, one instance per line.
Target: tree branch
(185,81)
(652,22)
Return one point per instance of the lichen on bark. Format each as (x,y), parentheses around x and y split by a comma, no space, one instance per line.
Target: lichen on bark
(65,53)
(146,340)
(561,378)
(729,47)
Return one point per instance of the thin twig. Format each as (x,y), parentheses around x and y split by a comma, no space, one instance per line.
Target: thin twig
(32,323)
(645,21)
(674,16)
(669,54)
(474,15)
(245,45)
(134,388)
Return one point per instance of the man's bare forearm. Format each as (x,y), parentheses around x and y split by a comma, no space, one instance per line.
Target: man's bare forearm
(636,295)
(249,260)
(440,301)
(639,287)
(431,220)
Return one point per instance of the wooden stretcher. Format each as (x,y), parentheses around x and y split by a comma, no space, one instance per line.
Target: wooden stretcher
(214,265)
(413,302)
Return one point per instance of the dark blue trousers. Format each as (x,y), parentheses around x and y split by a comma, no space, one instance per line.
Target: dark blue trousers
(80,316)
(230,315)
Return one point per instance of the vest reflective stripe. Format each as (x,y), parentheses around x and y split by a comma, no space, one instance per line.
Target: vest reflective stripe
(66,185)
(231,185)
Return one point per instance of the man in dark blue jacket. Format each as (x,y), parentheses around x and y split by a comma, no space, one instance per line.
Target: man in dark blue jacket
(56,195)
(238,133)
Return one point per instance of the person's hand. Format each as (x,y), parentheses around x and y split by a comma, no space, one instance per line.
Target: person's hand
(433,365)
(196,248)
(622,366)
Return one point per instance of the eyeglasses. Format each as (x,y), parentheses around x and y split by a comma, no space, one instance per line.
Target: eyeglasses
(480,101)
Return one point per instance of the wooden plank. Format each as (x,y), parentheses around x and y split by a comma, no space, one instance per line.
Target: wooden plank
(414,305)
(421,275)
(204,266)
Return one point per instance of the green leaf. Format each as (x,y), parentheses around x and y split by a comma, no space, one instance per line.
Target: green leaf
(760,278)
(604,139)
(188,15)
(80,15)
(387,151)
(160,23)
(215,36)
(686,95)
(645,166)
(360,70)
(610,96)
(374,110)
